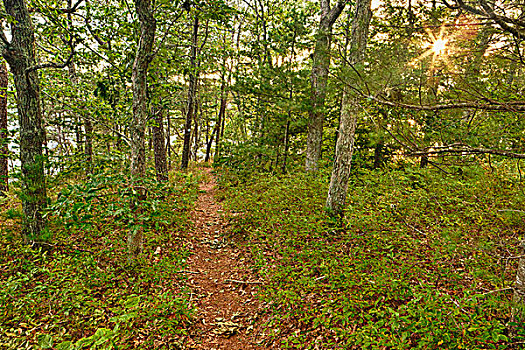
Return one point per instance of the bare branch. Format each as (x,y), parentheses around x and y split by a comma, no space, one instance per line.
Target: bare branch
(511,106)
(462,149)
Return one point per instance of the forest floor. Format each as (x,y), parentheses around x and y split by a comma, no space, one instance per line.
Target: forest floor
(219,274)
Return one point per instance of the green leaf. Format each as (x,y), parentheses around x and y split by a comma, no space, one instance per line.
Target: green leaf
(132,301)
(45,341)
(84,342)
(103,335)
(123,318)
(67,345)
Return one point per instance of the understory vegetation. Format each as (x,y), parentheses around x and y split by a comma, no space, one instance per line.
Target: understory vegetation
(422,259)
(80,292)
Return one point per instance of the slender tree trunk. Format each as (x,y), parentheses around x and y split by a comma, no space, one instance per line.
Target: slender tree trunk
(4,142)
(220,119)
(139,80)
(192,92)
(20,55)
(210,143)
(159,147)
(140,109)
(518,310)
(196,132)
(168,140)
(286,143)
(319,79)
(88,144)
(337,191)
(378,154)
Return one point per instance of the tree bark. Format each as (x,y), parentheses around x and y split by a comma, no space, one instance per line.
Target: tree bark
(220,119)
(139,80)
(196,132)
(168,140)
(192,92)
(139,77)
(286,142)
(337,191)
(209,143)
(159,147)
(518,299)
(318,80)
(20,54)
(4,149)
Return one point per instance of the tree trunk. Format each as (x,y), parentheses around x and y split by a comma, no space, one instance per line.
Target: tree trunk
(20,55)
(139,80)
(88,144)
(518,310)
(159,147)
(192,92)
(209,143)
(286,143)
(196,132)
(220,119)
(140,109)
(318,80)
(337,191)
(4,142)
(378,154)
(168,141)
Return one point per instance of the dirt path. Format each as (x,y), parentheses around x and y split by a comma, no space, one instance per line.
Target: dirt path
(219,275)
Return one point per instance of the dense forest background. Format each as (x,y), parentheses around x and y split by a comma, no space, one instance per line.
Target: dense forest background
(368,156)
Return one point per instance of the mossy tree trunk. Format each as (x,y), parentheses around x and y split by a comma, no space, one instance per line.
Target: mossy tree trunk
(20,55)
(159,147)
(139,76)
(4,141)
(143,57)
(192,93)
(318,80)
(337,191)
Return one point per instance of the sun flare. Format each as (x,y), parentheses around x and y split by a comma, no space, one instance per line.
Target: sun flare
(439,46)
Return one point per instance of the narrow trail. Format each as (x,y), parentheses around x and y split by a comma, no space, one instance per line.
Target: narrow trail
(224,288)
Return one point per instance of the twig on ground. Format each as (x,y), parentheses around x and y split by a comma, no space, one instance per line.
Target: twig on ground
(243,282)
(495,291)
(186,271)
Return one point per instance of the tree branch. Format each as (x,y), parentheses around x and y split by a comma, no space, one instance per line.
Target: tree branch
(462,149)
(511,106)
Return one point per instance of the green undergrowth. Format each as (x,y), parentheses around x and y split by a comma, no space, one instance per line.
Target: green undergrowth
(79,291)
(419,260)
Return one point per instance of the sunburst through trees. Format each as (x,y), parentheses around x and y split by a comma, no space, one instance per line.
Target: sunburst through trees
(441,47)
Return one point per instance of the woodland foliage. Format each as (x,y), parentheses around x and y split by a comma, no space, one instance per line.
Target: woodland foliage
(425,249)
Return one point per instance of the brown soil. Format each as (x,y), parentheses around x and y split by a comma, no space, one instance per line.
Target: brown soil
(224,287)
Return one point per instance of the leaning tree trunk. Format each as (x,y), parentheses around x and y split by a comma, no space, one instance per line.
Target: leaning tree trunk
(20,54)
(336,198)
(159,147)
(192,92)
(4,149)
(318,80)
(139,76)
